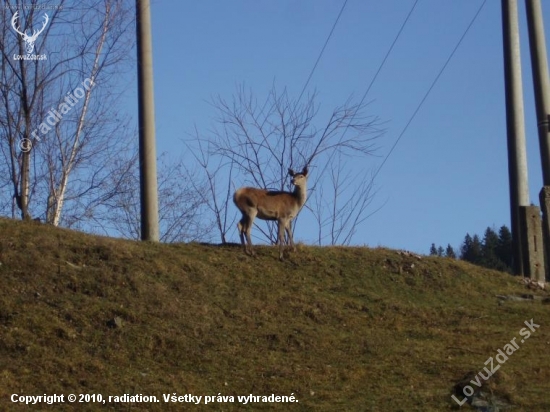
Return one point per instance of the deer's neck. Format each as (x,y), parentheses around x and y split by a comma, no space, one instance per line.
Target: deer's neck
(300,193)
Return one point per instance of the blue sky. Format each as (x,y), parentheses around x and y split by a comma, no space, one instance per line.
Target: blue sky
(447,175)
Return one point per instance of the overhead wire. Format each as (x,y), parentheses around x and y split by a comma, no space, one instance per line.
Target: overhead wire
(318,57)
(322,50)
(387,55)
(381,66)
(423,100)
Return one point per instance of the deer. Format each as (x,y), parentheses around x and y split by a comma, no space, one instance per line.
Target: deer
(271,205)
(29,40)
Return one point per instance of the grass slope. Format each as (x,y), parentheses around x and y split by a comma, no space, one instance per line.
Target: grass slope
(343,329)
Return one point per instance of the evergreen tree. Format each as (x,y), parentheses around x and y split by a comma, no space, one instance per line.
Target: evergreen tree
(493,252)
(465,248)
(449,252)
(471,250)
(504,248)
(433,250)
(489,250)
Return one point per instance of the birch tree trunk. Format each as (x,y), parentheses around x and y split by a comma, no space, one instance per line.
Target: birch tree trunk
(68,164)
(57,142)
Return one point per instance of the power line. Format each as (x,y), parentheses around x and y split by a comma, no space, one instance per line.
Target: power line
(381,66)
(318,58)
(387,55)
(322,50)
(430,88)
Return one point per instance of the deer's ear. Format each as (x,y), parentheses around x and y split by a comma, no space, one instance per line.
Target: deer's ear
(291,172)
(305,171)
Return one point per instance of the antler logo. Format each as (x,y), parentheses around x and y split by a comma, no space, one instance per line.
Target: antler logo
(29,40)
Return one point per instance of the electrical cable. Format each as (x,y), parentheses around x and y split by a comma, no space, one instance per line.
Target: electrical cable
(430,88)
(318,58)
(387,54)
(322,50)
(381,66)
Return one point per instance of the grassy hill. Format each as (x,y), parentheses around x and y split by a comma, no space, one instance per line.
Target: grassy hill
(340,329)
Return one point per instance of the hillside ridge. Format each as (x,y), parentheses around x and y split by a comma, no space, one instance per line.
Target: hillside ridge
(337,328)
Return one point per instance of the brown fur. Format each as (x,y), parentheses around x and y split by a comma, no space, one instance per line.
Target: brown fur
(271,205)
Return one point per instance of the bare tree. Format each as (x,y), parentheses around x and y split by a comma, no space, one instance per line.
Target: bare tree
(260,140)
(216,190)
(341,204)
(182,203)
(58,126)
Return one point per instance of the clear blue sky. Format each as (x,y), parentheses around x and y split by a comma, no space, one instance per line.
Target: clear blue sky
(448,174)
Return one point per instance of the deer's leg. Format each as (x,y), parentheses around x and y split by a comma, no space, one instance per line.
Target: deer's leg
(282,227)
(289,234)
(241,227)
(249,223)
(244,226)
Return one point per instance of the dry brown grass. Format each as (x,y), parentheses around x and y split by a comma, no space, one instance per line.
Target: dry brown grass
(343,329)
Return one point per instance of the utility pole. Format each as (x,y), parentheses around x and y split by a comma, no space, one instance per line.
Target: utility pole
(515,124)
(147,150)
(539,64)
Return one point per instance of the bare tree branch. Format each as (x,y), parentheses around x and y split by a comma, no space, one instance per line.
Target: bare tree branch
(262,141)
(73,129)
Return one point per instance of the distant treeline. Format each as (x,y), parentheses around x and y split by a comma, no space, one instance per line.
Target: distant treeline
(494,251)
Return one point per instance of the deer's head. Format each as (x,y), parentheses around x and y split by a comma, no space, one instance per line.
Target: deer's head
(298,179)
(29,40)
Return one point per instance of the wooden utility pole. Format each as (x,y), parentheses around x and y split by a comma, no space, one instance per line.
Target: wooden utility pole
(147,150)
